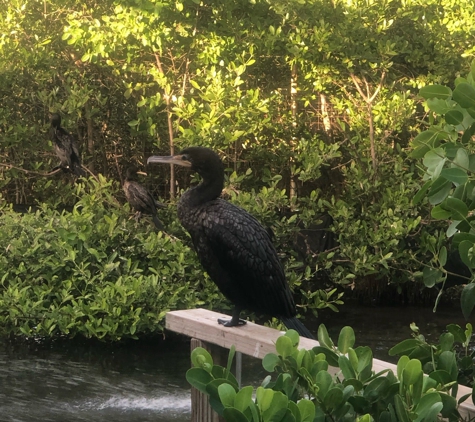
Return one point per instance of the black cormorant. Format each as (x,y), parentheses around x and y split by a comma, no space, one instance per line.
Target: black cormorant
(233,247)
(140,198)
(65,147)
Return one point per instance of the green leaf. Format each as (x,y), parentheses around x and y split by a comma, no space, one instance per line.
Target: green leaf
(439,190)
(467,299)
(455,175)
(429,407)
(443,255)
(401,411)
(294,336)
(435,91)
(346,339)
(323,337)
(403,347)
(231,414)
(243,398)
(333,398)
(284,346)
(307,410)
(425,141)
(227,394)
(412,372)
(431,276)
(198,378)
(346,367)
(466,253)
(202,359)
(440,213)
(464,94)
(454,117)
(270,361)
(458,209)
(422,192)
(462,158)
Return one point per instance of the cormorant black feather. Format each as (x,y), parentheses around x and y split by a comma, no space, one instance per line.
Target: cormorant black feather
(140,198)
(233,247)
(65,147)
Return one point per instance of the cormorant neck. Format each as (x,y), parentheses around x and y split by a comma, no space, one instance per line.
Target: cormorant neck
(210,188)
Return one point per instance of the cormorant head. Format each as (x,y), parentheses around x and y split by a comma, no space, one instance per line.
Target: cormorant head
(55,120)
(131,173)
(200,159)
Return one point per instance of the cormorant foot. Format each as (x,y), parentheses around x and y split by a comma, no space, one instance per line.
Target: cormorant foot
(231,322)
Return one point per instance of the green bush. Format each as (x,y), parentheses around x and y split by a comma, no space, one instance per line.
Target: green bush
(306,388)
(94,271)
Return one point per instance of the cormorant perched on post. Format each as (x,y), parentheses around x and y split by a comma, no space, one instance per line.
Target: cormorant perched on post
(140,198)
(65,147)
(233,247)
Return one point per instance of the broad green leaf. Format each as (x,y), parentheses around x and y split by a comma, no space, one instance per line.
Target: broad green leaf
(243,398)
(376,389)
(439,190)
(466,253)
(468,299)
(454,117)
(403,347)
(443,255)
(428,408)
(346,367)
(346,339)
(294,336)
(264,398)
(435,91)
(401,411)
(431,276)
(323,337)
(448,362)
(425,141)
(202,359)
(462,158)
(440,213)
(422,192)
(198,378)
(412,372)
(270,361)
(333,398)
(458,208)
(457,332)
(455,175)
(330,356)
(464,94)
(439,106)
(227,394)
(284,346)
(307,410)
(231,414)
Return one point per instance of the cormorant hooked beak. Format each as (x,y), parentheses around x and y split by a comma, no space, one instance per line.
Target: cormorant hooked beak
(180,159)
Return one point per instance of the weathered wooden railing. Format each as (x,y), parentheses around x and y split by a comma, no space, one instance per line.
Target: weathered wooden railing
(253,340)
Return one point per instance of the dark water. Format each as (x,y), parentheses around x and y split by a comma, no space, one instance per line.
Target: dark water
(143,381)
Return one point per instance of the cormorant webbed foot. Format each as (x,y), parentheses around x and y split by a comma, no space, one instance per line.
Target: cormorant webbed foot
(232,322)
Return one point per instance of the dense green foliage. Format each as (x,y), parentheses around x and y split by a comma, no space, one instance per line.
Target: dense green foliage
(448,154)
(336,382)
(312,105)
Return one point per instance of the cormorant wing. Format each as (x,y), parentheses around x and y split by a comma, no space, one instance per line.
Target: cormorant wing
(247,259)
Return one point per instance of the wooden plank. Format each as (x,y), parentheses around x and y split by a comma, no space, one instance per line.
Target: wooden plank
(256,340)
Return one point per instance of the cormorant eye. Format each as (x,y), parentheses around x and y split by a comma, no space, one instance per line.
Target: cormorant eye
(185,157)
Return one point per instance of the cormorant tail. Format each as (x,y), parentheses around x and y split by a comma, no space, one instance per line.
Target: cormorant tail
(295,324)
(158,223)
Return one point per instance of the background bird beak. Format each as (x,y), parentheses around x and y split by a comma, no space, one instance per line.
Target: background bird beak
(169,159)
(142,173)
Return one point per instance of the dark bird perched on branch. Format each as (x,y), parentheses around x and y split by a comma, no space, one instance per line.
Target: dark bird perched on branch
(65,147)
(140,198)
(233,247)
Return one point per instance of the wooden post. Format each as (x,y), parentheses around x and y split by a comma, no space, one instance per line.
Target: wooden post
(201,410)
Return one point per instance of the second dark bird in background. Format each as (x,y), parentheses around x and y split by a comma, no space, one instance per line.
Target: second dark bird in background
(66,147)
(140,198)
(233,247)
